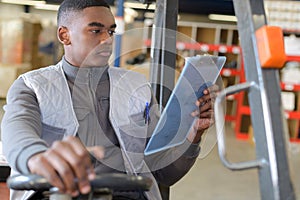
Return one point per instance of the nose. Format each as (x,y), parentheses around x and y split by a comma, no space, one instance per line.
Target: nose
(106,37)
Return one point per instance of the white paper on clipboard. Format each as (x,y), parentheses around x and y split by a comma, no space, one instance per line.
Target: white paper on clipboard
(176,121)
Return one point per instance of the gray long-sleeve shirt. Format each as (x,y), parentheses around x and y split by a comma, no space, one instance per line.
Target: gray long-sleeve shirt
(21,125)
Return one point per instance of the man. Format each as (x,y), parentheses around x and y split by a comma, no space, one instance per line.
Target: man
(56,115)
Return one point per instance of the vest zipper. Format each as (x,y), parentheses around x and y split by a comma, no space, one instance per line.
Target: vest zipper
(94,103)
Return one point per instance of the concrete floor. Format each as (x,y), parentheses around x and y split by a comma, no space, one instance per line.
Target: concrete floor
(210,180)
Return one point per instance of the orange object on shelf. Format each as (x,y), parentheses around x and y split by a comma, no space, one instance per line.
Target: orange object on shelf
(270,44)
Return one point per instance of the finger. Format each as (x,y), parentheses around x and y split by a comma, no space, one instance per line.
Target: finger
(195,113)
(63,167)
(78,159)
(205,107)
(204,124)
(210,92)
(206,98)
(83,154)
(39,164)
(207,114)
(96,151)
(212,95)
(212,89)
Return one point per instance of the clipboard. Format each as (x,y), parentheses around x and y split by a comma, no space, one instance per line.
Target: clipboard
(176,120)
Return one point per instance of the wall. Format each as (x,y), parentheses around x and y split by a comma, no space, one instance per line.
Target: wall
(9,11)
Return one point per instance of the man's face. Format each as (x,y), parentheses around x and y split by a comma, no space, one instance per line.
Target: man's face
(91,37)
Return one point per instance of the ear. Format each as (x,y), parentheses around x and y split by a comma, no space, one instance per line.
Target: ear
(63,35)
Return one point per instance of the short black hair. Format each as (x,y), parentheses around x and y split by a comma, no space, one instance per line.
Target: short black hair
(68,6)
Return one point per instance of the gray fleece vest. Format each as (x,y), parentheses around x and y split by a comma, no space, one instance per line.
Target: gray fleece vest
(129,93)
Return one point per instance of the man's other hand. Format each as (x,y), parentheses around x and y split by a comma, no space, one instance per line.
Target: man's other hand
(67,165)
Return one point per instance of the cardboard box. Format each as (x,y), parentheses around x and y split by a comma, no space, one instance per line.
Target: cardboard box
(292,45)
(293,128)
(288,100)
(8,74)
(19,40)
(291,73)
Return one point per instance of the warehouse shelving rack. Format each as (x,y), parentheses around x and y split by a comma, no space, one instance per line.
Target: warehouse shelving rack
(241,110)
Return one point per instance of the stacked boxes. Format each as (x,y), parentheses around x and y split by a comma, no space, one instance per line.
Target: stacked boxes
(285,14)
(19,48)
(19,40)
(8,74)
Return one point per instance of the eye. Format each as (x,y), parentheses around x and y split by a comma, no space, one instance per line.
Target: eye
(96,31)
(102,31)
(111,32)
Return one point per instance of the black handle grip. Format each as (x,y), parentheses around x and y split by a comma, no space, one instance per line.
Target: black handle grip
(113,181)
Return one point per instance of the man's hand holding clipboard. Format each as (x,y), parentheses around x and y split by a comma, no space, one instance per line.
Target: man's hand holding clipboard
(189,109)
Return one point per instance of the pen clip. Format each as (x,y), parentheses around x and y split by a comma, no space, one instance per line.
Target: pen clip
(146,113)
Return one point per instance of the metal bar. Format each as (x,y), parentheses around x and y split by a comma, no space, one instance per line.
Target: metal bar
(229,37)
(156,47)
(163,50)
(118,37)
(194,39)
(163,54)
(168,64)
(217,38)
(206,25)
(280,132)
(220,121)
(265,103)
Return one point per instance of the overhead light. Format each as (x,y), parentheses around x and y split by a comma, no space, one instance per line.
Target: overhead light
(47,7)
(146,1)
(228,18)
(139,5)
(41,5)
(23,2)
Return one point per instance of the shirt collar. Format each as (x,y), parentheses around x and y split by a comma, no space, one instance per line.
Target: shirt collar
(84,74)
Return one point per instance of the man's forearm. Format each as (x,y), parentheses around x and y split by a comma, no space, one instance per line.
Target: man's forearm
(175,163)
(21,126)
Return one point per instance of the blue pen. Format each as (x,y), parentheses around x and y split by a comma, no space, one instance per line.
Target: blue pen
(146,113)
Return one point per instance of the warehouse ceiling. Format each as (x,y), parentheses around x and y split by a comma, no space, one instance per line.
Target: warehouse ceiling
(195,6)
(205,7)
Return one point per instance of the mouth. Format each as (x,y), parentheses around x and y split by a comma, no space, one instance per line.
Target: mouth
(105,53)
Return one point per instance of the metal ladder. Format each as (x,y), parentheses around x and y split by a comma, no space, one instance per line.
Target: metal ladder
(264,95)
(263,88)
